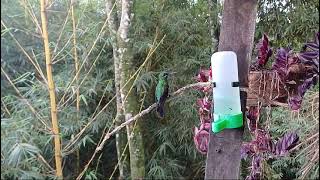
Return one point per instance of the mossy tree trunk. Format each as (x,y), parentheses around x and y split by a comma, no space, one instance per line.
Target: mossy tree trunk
(128,94)
(121,136)
(119,21)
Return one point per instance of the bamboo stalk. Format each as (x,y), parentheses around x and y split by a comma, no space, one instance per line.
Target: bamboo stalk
(76,63)
(75,58)
(53,105)
(85,59)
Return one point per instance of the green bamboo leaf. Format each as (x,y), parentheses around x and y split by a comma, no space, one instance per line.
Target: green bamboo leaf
(83,99)
(32,150)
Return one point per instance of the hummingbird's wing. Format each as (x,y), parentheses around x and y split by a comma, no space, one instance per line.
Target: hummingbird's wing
(161,95)
(159,91)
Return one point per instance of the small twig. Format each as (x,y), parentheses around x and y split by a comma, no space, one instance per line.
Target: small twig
(304,142)
(40,157)
(5,107)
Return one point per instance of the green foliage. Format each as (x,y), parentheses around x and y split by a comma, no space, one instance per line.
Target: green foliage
(24,137)
(288,22)
(90,175)
(170,151)
(306,124)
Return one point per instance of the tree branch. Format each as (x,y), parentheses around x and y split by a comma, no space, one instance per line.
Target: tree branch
(133,119)
(150,108)
(146,111)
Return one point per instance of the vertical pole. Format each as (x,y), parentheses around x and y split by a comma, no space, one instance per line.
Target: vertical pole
(237,34)
(52,93)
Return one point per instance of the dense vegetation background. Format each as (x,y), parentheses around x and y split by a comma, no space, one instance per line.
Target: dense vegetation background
(180,35)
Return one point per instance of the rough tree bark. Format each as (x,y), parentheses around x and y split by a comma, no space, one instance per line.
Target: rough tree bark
(127,102)
(237,33)
(121,136)
(128,94)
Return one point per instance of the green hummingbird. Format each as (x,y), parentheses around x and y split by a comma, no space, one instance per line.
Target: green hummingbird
(162,93)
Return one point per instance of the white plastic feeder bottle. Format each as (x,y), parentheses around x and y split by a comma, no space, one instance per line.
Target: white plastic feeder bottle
(226,94)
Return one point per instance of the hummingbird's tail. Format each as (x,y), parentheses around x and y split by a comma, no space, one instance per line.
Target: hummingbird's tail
(160,109)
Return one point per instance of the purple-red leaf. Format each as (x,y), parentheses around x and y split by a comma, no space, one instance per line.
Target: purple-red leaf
(287,142)
(204,103)
(246,149)
(204,75)
(201,139)
(308,55)
(298,72)
(307,84)
(311,46)
(264,53)
(281,62)
(252,116)
(206,126)
(255,168)
(295,102)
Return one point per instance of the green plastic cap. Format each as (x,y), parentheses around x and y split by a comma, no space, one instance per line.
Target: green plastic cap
(226,122)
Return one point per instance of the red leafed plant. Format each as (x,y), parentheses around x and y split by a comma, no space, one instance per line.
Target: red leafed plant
(264,53)
(201,134)
(262,146)
(298,71)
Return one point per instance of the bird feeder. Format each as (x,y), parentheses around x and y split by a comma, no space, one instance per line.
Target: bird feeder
(226,94)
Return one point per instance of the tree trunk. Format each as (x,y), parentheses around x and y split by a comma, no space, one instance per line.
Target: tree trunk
(128,94)
(237,33)
(53,105)
(121,137)
(213,23)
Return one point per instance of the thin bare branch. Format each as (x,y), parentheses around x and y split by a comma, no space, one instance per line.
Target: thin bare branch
(38,68)
(60,35)
(28,7)
(25,100)
(76,63)
(5,107)
(85,59)
(41,159)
